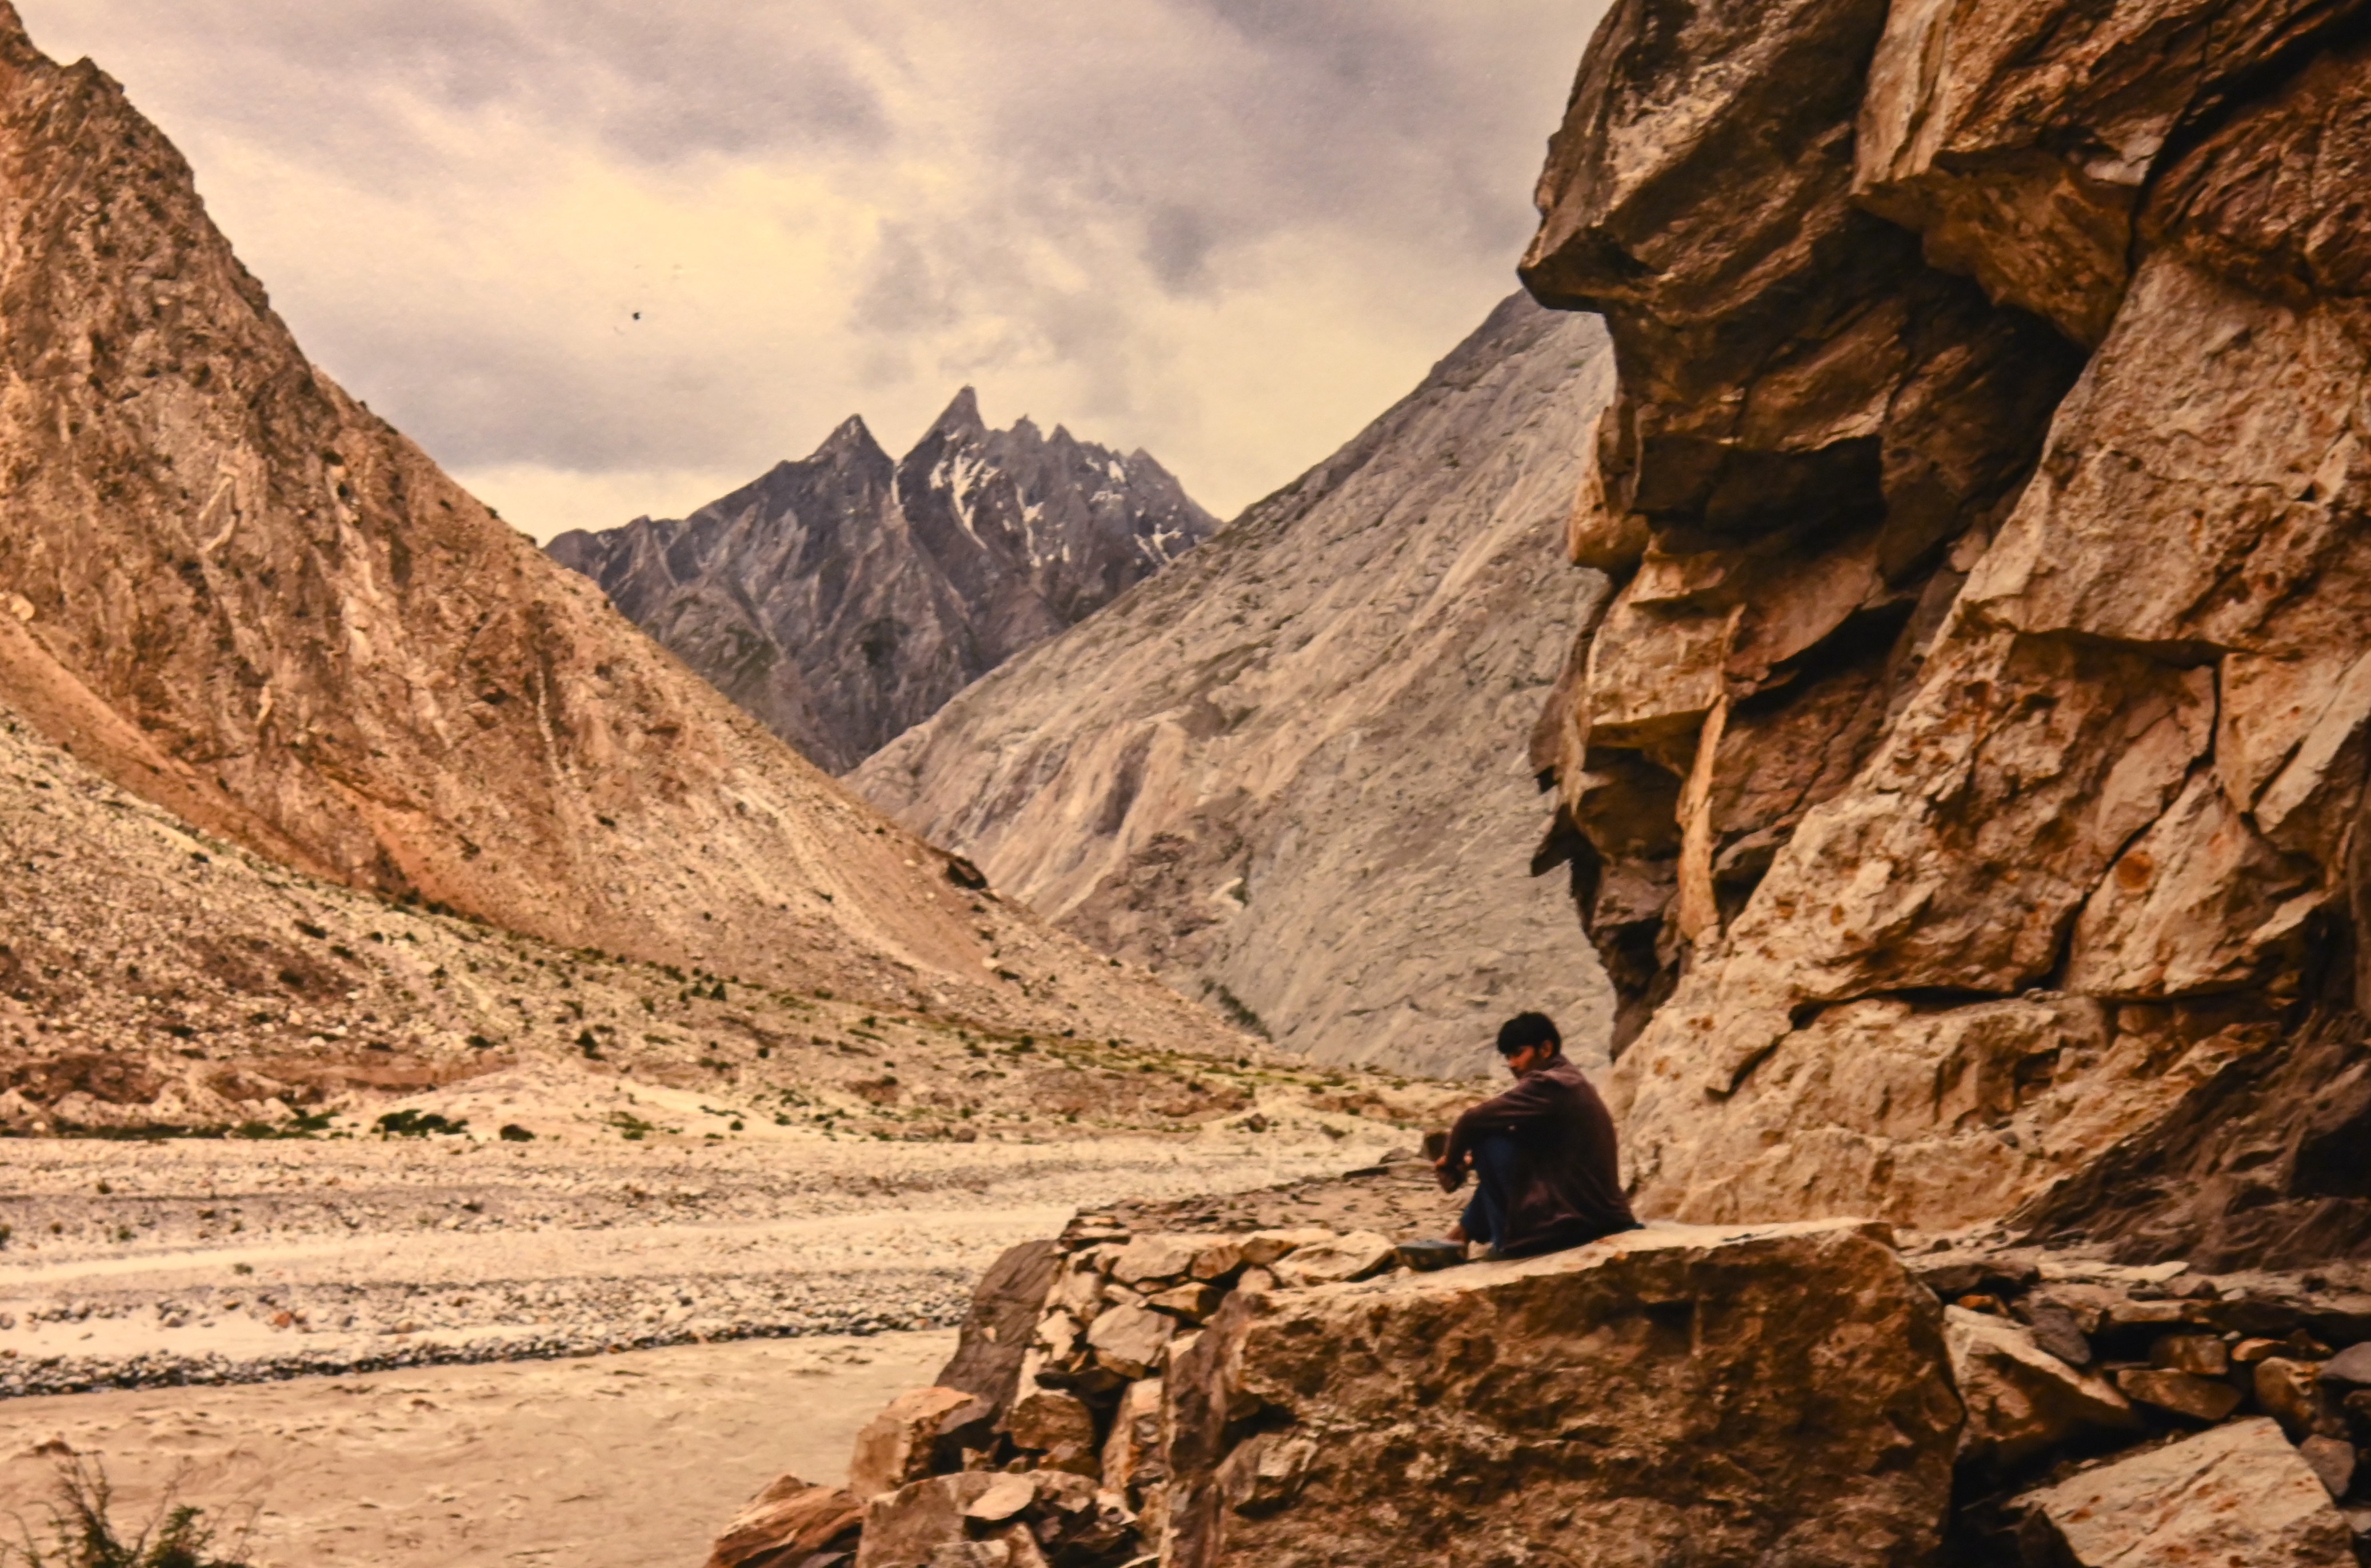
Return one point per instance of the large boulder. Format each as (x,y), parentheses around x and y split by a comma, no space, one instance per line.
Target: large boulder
(1776,1395)
(2237,1495)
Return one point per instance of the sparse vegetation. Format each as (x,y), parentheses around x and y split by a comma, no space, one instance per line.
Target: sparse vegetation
(84,1533)
(419,1124)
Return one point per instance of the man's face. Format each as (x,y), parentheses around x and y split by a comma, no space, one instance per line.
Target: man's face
(1530,1058)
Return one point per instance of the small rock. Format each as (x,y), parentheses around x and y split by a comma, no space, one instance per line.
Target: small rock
(1990,1305)
(2333,1458)
(2202,1354)
(1008,1498)
(905,1528)
(2021,1402)
(2248,1352)
(1218,1260)
(2351,1367)
(1057,1426)
(972,1554)
(2238,1494)
(1192,1302)
(1151,1257)
(1337,1260)
(1426,1257)
(1059,1338)
(2293,1395)
(2183,1393)
(901,1443)
(2151,1314)
(789,1521)
(1262,1248)
(1128,1341)
(1132,1456)
(2055,1329)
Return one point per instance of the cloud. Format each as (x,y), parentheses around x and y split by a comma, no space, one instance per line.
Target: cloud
(595,254)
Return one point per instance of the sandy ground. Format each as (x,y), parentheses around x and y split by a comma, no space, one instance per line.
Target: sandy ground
(589,1348)
(212,1261)
(611,1461)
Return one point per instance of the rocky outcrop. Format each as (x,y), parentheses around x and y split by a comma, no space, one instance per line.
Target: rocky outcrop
(1664,1395)
(1247,1377)
(1287,772)
(235,591)
(843,599)
(1962,784)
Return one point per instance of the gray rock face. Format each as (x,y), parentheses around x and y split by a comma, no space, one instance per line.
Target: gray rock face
(844,598)
(1289,773)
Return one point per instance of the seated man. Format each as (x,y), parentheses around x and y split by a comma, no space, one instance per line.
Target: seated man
(1543,1155)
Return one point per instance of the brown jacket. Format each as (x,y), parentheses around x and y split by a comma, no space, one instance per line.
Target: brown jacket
(1570,1185)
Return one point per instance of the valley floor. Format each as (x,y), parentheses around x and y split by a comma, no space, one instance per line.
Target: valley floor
(587,1348)
(608,1461)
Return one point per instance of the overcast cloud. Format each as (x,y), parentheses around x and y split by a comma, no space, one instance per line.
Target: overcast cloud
(605,257)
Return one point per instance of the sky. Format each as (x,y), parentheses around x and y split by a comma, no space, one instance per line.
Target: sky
(610,258)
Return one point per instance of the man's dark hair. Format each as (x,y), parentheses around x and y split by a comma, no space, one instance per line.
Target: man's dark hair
(1528,1029)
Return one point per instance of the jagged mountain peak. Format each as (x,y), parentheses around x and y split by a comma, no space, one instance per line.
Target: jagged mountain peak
(844,598)
(962,416)
(851,438)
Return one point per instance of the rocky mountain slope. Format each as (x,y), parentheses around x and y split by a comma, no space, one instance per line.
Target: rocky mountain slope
(1964,785)
(844,599)
(1288,772)
(233,590)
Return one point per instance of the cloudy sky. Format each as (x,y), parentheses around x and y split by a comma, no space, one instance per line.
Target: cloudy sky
(610,256)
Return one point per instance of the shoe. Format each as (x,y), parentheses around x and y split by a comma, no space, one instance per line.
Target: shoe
(1428,1255)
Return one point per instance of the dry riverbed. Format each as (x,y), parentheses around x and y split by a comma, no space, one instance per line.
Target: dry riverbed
(611,1461)
(213,1261)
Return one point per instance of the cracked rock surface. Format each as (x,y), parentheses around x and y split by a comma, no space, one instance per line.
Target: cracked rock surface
(1964,784)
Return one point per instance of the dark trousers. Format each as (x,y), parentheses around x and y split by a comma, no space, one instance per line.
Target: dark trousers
(1497,1167)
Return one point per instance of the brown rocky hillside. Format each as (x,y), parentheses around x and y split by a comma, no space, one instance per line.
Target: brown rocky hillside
(1965,788)
(231,589)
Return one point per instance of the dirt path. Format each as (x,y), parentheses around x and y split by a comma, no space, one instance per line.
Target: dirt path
(611,1461)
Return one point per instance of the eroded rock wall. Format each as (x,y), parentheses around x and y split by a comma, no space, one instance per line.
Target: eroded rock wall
(1964,785)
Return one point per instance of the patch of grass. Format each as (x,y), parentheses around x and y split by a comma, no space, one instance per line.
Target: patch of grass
(84,1533)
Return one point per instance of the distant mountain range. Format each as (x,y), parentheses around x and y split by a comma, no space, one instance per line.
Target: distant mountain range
(845,598)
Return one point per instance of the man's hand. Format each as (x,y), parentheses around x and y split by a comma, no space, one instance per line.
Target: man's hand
(1451,1177)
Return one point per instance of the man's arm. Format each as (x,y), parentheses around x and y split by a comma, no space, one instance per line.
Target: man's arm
(1531,1102)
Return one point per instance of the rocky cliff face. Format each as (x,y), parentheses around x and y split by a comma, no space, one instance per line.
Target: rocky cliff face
(844,599)
(233,590)
(1964,785)
(1288,772)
